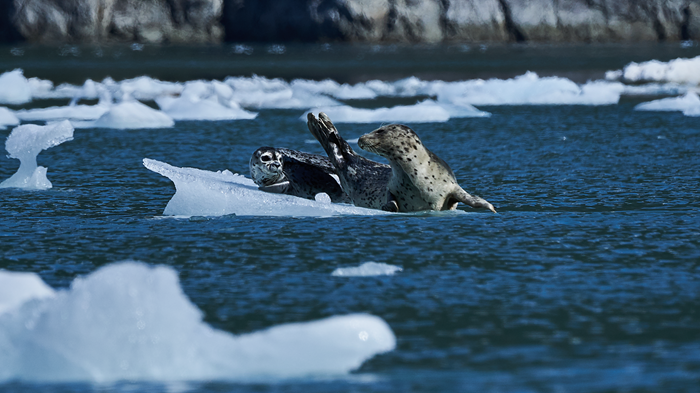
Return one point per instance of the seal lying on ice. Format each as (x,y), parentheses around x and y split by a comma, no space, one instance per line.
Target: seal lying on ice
(420,180)
(286,171)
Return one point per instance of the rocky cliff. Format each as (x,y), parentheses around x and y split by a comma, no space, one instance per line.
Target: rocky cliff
(188,21)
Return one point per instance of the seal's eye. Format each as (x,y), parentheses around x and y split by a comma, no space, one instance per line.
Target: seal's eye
(265,158)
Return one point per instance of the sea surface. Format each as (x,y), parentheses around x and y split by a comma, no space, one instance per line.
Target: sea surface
(587,279)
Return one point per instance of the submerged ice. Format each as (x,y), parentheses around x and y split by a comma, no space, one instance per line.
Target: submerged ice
(129,321)
(25,143)
(206,193)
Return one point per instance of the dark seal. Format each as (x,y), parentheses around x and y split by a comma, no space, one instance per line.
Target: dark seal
(291,172)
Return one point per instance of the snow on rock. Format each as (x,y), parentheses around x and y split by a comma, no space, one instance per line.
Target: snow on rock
(25,143)
(130,321)
(205,193)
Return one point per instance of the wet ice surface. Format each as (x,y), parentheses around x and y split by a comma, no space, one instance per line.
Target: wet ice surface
(206,193)
(128,321)
(689,104)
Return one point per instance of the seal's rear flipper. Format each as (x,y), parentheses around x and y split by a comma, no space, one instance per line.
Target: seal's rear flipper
(327,135)
(474,201)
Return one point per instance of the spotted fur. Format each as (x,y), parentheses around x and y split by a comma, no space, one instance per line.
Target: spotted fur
(364,181)
(420,180)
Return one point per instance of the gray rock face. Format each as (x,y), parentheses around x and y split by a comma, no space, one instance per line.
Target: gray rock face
(350,20)
(85,21)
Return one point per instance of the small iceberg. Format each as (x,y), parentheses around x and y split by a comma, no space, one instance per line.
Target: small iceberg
(684,71)
(129,114)
(689,104)
(25,143)
(367,269)
(427,111)
(206,193)
(7,118)
(14,88)
(201,101)
(130,321)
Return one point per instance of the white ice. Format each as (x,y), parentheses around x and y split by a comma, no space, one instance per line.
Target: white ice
(205,193)
(260,92)
(17,288)
(25,143)
(14,88)
(427,111)
(367,269)
(529,89)
(129,321)
(683,71)
(201,100)
(7,118)
(689,104)
(129,114)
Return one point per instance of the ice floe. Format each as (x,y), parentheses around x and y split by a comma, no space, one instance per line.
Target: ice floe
(367,269)
(689,104)
(683,71)
(130,321)
(200,100)
(7,118)
(129,114)
(427,111)
(25,143)
(205,193)
(14,88)
(17,288)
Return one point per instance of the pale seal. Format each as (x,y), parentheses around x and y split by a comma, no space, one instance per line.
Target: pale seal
(420,180)
(286,171)
(364,181)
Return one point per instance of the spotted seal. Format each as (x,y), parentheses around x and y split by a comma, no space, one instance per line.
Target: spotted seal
(286,171)
(363,180)
(420,180)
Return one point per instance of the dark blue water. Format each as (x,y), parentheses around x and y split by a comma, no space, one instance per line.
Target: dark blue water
(588,279)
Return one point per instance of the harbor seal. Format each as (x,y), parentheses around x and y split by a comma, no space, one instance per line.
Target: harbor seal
(420,180)
(364,181)
(286,171)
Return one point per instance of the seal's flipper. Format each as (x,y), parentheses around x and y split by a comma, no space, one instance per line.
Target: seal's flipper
(306,180)
(474,201)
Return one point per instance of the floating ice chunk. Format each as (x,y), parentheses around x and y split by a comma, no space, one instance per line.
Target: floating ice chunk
(260,92)
(17,288)
(146,88)
(530,89)
(40,88)
(200,101)
(367,269)
(129,114)
(128,321)
(689,104)
(70,112)
(25,143)
(7,118)
(427,111)
(686,71)
(205,193)
(335,89)
(14,88)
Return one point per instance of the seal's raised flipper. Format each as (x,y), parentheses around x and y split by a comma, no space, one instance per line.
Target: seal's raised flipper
(365,181)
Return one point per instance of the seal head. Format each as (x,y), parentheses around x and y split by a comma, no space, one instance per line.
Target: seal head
(420,179)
